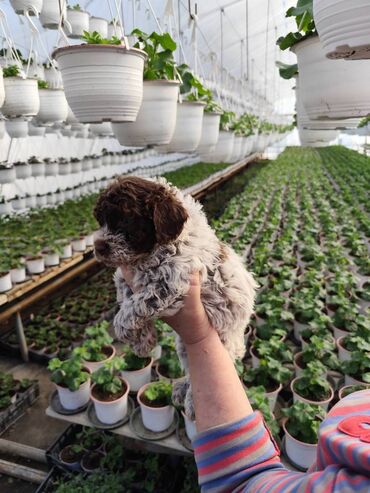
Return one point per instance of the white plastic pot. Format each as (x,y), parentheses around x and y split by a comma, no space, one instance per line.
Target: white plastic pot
(343,27)
(51,12)
(35,130)
(272,397)
(21,97)
(102,82)
(103,129)
(41,200)
(23,171)
(38,169)
(223,150)
(99,25)
(7,174)
(51,259)
(51,199)
(300,453)
(65,168)
(323,404)
(111,412)
(35,265)
(79,244)
(238,148)
(5,208)
(76,166)
(21,6)
(18,275)
(94,366)
(331,88)
(31,201)
(114,30)
(188,129)
(19,204)
(17,128)
(210,133)
(138,378)
(52,168)
(53,106)
(190,427)
(66,252)
(2,129)
(76,399)
(2,90)
(155,419)
(348,380)
(5,282)
(343,353)
(79,21)
(53,77)
(160,106)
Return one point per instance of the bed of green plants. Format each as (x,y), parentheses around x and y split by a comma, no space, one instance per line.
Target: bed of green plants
(190,175)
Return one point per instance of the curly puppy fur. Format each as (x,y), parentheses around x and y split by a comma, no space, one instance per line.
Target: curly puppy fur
(164,236)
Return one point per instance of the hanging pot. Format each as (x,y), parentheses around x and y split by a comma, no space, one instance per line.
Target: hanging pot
(210,133)
(104,129)
(21,97)
(79,21)
(35,130)
(19,203)
(2,89)
(99,25)
(52,11)
(2,129)
(51,168)
(21,6)
(41,201)
(317,138)
(17,128)
(343,28)
(237,149)
(160,106)
(331,88)
(53,106)
(5,208)
(65,168)
(38,169)
(102,82)
(188,129)
(7,174)
(22,171)
(223,150)
(31,201)
(114,30)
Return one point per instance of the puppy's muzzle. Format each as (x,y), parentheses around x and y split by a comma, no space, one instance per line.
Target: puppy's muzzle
(102,248)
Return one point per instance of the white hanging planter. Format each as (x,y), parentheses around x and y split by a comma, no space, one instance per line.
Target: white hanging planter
(2,129)
(317,138)
(19,203)
(76,166)
(7,174)
(18,275)
(21,6)
(331,88)
(65,168)
(5,282)
(114,30)
(76,399)
(104,129)
(41,201)
(17,128)
(300,453)
(21,97)
(159,105)
(53,106)
(238,148)
(2,89)
(138,378)
(79,21)
(22,171)
(86,164)
(53,77)
(5,208)
(188,129)
(35,265)
(102,82)
(31,201)
(51,168)
(223,150)
(210,133)
(38,169)
(35,130)
(51,12)
(99,25)
(343,28)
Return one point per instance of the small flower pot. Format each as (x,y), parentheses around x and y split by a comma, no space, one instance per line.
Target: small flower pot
(17,128)
(50,18)
(79,21)
(110,412)
(323,404)
(51,169)
(18,275)
(22,6)
(21,98)
(223,150)
(38,169)
(344,391)
(87,165)
(5,282)
(349,380)
(51,199)
(31,201)
(53,106)
(166,379)
(93,366)
(5,208)
(138,378)
(298,365)
(188,129)
(69,459)
(79,245)
(272,397)
(91,462)
(89,240)
(300,453)
(76,399)
(155,419)
(343,353)
(65,168)
(190,427)
(99,25)
(51,259)
(35,265)
(23,171)
(255,358)
(210,133)
(338,333)
(19,204)
(7,174)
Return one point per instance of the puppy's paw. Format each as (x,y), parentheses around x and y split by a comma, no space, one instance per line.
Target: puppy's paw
(189,405)
(179,392)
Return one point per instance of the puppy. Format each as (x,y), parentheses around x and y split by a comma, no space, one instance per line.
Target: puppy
(163,236)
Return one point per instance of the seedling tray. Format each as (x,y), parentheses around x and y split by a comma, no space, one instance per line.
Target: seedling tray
(20,406)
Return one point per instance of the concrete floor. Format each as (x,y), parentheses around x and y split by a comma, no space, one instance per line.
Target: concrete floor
(34,428)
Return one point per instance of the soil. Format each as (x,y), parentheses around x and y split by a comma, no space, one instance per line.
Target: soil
(314,398)
(107,350)
(104,397)
(92,461)
(155,404)
(67,455)
(145,363)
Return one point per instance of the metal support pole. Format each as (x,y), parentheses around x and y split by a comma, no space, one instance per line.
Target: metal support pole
(21,337)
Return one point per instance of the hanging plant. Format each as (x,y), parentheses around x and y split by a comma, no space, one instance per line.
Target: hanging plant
(53,104)
(21,95)
(303,13)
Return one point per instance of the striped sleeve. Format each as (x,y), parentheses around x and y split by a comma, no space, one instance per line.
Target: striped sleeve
(242,457)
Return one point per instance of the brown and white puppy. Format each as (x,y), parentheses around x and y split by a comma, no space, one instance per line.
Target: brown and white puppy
(163,236)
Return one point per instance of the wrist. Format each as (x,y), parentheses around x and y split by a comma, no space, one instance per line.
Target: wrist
(205,336)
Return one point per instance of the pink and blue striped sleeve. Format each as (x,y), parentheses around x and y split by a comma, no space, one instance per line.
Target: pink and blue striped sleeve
(242,457)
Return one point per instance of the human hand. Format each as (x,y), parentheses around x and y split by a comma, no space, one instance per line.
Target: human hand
(191,321)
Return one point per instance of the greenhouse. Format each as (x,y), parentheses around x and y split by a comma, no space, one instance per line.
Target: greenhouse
(184,246)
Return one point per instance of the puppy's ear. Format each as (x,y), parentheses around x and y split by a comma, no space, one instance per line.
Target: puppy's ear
(169,217)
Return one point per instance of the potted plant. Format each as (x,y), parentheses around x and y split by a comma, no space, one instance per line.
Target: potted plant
(78,20)
(105,64)
(160,93)
(350,389)
(29,6)
(137,371)
(342,31)
(357,369)
(51,12)
(259,401)
(51,167)
(37,166)
(98,25)
(21,95)
(110,392)
(71,455)
(92,462)
(72,380)
(22,170)
(53,104)
(225,145)
(97,349)
(312,387)
(301,429)
(168,367)
(7,173)
(17,128)
(274,348)
(35,262)
(210,127)
(357,341)
(318,349)
(155,403)
(5,278)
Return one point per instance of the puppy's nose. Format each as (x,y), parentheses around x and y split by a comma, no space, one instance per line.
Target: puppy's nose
(101,246)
